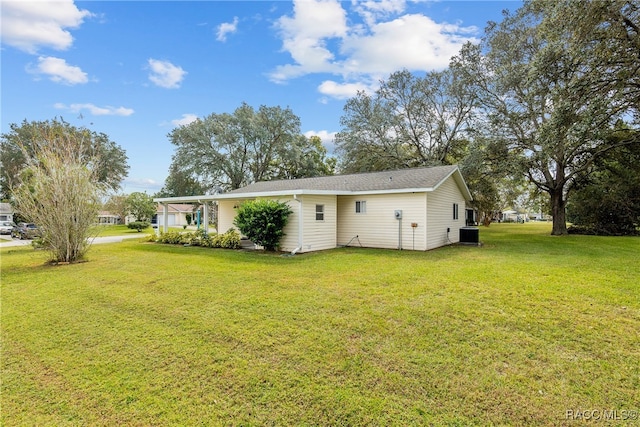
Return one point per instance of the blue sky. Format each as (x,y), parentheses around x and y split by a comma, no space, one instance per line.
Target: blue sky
(136,69)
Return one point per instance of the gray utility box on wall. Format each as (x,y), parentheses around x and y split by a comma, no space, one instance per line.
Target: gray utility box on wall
(469,235)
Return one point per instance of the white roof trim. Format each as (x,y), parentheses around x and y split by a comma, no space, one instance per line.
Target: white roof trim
(235,196)
(239,196)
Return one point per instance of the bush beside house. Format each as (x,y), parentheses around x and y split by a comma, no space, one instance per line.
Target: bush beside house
(228,240)
(263,221)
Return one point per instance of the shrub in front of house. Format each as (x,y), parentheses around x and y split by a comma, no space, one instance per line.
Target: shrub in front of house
(228,240)
(139,225)
(170,237)
(197,238)
(263,221)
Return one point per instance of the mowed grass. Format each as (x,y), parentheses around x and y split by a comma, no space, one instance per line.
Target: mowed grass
(116,230)
(516,332)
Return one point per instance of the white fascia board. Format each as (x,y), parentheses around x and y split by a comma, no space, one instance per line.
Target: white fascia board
(271,194)
(185,199)
(395,191)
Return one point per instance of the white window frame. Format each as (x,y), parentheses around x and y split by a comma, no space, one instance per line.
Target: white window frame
(456,212)
(361,207)
(319,213)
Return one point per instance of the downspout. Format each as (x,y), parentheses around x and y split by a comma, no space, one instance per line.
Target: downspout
(293,252)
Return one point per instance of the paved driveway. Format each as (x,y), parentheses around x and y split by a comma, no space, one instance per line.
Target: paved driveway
(95,240)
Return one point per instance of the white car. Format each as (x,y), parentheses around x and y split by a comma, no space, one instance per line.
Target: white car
(6,227)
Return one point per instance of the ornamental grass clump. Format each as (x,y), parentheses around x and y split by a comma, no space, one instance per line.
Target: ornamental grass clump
(60,193)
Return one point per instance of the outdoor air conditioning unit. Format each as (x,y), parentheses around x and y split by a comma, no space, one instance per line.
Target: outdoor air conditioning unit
(470,235)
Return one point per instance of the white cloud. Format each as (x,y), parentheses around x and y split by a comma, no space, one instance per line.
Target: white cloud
(95,110)
(343,90)
(227,28)
(320,40)
(415,42)
(326,137)
(141,184)
(371,10)
(305,37)
(59,71)
(165,74)
(185,120)
(29,25)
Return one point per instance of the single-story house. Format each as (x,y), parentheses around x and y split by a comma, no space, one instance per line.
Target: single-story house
(415,209)
(6,212)
(513,216)
(108,218)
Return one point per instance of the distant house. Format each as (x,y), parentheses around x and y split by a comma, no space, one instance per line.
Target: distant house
(177,213)
(6,212)
(107,218)
(513,216)
(416,209)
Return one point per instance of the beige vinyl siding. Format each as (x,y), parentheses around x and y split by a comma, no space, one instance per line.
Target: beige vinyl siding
(377,227)
(440,214)
(316,235)
(226,214)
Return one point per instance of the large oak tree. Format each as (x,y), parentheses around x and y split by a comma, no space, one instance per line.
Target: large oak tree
(230,150)
(552,83)
(24,142)
(410,121)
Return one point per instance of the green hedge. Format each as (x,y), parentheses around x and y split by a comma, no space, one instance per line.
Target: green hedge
(228,240)
(139,225)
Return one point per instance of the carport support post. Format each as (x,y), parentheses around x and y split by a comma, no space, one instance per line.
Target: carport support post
(205,213)
(165,217)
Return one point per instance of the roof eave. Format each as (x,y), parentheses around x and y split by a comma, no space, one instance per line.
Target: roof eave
(286,193)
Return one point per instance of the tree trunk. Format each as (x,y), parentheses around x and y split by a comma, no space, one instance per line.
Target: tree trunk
(558,204)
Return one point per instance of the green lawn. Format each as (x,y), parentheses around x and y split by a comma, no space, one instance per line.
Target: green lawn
(516,332)
(123,230)
(116,230)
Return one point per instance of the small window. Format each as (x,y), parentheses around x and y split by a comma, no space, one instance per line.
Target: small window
(455,211)
(319,212)
(361,206)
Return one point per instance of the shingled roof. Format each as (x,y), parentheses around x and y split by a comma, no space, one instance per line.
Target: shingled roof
(395,181)
(417,178)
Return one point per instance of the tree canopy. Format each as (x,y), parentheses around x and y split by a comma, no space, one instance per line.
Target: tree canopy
(232,150)
(180,183)
(537,98)
(545,89)
(607,200)
(141,206)
(410,121)
(23,143)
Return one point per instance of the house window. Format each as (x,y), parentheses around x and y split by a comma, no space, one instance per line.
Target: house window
(361,206)
(319,212)
(455,211)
